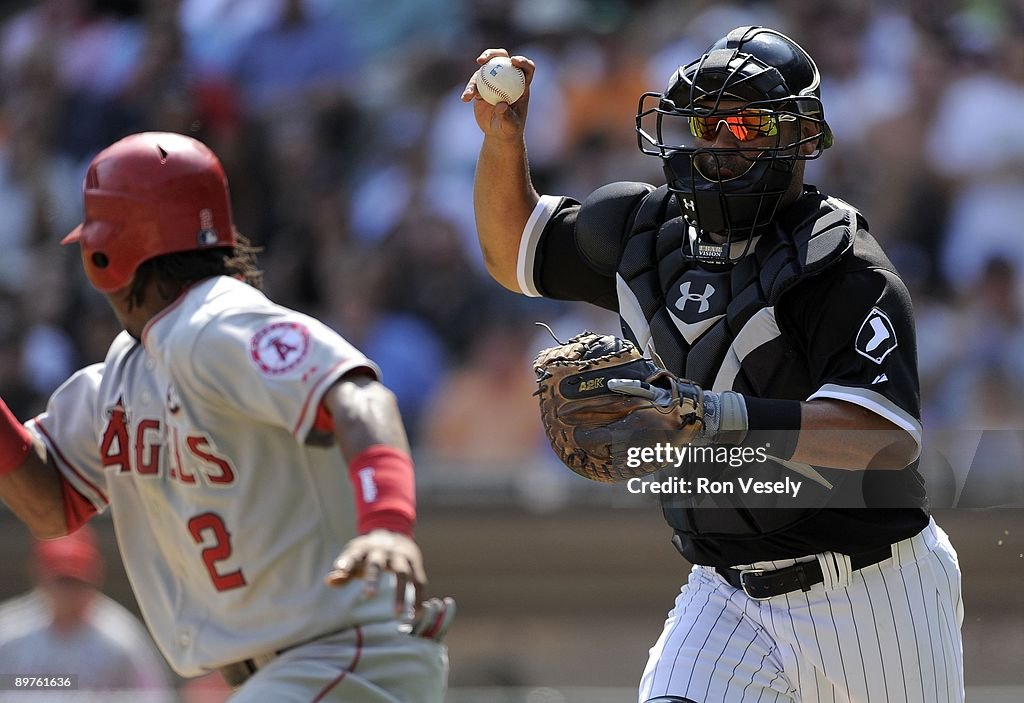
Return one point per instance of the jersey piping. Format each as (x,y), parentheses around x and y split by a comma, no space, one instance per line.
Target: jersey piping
(529,241)
(73,475)
(876,403)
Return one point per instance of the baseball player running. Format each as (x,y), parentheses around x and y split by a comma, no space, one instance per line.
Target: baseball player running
(774,299)
(212,430)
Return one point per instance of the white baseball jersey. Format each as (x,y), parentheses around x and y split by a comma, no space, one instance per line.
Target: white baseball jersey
(198,438)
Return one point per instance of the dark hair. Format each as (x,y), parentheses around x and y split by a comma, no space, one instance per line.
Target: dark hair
(174,272)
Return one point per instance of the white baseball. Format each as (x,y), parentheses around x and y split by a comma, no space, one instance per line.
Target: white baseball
(499,81)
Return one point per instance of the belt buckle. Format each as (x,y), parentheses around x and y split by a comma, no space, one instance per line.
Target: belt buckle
(743,582)
(239,672)
(236,674)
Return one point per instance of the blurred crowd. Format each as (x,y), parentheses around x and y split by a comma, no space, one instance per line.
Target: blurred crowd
(351,161)
(66,625)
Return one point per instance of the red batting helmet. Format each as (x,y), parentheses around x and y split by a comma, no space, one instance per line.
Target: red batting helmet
(150,194)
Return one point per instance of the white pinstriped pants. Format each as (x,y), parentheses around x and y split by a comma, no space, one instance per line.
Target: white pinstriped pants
(888,632)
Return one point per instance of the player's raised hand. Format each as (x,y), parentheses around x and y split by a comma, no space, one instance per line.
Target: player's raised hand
(367,556)
(503,121)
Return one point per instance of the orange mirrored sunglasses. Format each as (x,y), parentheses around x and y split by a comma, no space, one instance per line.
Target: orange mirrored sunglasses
(746,125)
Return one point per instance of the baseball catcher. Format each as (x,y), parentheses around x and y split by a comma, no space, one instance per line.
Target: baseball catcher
(797,336)
(599,396)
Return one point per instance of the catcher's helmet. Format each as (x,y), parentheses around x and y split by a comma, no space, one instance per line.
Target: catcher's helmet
(150,194)
(768,80)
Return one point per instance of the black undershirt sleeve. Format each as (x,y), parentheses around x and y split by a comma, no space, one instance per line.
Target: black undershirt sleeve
(560,270)
(581,245)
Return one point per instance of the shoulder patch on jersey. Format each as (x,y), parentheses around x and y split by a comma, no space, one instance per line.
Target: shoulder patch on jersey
(876,337)
(279,347)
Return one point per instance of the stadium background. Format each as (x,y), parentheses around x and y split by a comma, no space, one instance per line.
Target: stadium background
(351,161)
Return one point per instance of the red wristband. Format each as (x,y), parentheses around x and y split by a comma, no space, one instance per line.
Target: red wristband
(15,441)
(385,490)
(77,509)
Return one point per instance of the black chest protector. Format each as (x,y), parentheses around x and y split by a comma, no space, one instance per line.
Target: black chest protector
(692,315)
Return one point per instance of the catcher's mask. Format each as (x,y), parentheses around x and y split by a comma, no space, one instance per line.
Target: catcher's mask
(770,88)
(146,195)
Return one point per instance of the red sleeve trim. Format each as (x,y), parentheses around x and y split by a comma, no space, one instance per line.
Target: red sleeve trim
(335,373)
(385,490)
(77,508)
(71,467)
(310,396)
(323,422)
(15,441)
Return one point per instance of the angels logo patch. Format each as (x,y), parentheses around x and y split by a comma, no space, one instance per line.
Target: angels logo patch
(279,348)
(876,337)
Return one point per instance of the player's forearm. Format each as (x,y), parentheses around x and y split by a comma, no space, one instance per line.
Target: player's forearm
(369,430)
(28,485)
(503,199)
(822,432)
(842,435)
(33,493)
(365,414)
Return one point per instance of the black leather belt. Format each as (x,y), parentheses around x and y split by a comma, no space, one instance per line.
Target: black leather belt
(761,585)
(238,673)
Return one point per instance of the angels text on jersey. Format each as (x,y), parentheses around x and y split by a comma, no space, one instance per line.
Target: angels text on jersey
(151,447)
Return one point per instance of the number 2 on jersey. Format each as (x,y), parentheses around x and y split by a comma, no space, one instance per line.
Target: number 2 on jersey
(218,551)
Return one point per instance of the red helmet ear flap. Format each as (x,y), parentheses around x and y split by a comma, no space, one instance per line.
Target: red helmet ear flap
(147,195)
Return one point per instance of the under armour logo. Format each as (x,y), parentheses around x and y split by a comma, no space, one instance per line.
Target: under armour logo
(702,298)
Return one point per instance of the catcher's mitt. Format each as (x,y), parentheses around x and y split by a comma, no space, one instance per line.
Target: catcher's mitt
(599,397)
